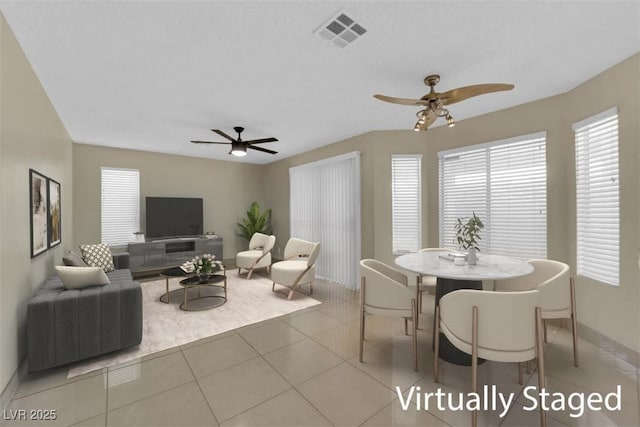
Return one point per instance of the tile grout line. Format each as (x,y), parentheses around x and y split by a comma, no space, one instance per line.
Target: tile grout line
(199,387)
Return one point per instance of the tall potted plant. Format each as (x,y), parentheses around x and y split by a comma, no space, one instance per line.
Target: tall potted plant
(468,234)
(255,222)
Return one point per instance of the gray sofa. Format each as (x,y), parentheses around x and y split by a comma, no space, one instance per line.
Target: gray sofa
(65,326)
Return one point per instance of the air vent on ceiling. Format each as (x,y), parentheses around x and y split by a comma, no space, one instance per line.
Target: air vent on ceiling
(340,30)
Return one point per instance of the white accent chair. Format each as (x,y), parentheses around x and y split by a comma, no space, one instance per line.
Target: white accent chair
(298,267)
(426,283)
(498,326)
(258,255)
(557,293)
(384,291)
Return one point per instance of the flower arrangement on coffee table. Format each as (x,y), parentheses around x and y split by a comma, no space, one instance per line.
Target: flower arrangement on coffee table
(202,266)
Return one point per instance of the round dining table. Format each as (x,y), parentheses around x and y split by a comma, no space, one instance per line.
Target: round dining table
(451,277)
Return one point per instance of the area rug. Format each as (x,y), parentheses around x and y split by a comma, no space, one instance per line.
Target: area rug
(166,326)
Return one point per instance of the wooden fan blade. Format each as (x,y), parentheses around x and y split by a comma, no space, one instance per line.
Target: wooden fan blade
(224,135)
(210,142)
(460,94)
(262,149)
(402,101)
(261,141)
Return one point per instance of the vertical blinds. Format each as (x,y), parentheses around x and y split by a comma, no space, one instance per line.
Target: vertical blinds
(120,205)
(325,208)
(406,202)
(505,184)
(597,197)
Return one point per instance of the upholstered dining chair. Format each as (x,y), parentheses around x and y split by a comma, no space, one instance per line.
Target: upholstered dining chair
(557,293)
(384,292)
(498,326)
(426,283)
(258,255)
(298,267)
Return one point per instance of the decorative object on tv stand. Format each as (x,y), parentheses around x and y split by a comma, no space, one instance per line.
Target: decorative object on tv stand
(468,234)
(138,237)
(203,266)
(210,235)
(255,222)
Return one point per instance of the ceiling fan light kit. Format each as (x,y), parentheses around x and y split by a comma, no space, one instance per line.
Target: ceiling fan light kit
(435,102)
(238,146)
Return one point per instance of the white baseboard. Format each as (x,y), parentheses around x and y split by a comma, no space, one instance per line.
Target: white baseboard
(604,342)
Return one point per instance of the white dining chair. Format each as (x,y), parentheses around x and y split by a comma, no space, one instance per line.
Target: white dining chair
(498,326)
(557,293)
(258,255)
(384,292)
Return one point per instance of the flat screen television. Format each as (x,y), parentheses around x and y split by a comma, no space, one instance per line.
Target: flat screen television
(173,217)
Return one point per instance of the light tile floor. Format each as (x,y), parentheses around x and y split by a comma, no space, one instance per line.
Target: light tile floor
(302,369)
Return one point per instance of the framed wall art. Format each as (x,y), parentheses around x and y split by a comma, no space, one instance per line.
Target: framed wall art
(39,212)
(54,217)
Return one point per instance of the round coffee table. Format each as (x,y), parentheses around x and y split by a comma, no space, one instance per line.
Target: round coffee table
(214,282)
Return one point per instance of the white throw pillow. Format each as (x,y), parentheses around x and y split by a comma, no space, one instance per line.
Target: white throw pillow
(81,277)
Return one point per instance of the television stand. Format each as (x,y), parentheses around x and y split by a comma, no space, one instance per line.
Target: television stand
(146,257)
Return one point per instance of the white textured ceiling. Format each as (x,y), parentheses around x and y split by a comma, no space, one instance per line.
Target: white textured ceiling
(153,75)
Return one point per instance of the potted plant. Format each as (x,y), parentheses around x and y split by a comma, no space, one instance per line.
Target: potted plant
(468,234)
(255,222)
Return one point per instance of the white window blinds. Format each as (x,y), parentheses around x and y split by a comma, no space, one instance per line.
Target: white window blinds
(597,197)
(406,202)
(324,203)
(505,184)
(120,205)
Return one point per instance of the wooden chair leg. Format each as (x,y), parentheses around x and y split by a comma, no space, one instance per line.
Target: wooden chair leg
(474,361)
(414,315)
(406,330)
(436,344)
(574,321)
(520,373)
(418,297)
(540,357)
(362,287)
(238,270)
(249,274)
(273,287)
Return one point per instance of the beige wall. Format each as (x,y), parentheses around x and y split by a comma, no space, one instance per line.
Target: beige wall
(228,188)
(612,311)
(31,136)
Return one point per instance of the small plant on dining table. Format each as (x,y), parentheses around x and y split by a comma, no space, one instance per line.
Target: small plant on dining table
(205,264)
(468,232)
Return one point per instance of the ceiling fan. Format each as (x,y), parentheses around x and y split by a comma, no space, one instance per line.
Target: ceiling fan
(435,102)
(238,146)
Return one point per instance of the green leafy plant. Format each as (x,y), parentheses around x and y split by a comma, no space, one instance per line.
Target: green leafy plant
(255,222)
(468,232)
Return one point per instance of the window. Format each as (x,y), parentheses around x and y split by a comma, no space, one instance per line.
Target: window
(406,203)
(597,197)
(120,205)
(505,184)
